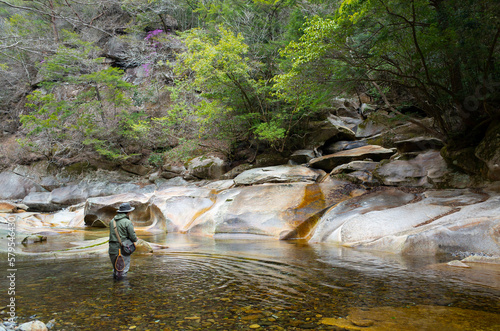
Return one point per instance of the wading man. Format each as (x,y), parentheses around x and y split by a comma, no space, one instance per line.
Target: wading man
(125,230)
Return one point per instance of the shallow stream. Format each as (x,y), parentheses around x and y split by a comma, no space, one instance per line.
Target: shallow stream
(201,283)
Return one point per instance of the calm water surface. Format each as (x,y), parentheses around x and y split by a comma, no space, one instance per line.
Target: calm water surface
(207,284)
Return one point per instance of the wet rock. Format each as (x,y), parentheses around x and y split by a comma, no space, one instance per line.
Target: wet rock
(377,224)
(277,174)
(419,317)
(482,259)
(33,326)
(143,246)
(16,187)
(329,162)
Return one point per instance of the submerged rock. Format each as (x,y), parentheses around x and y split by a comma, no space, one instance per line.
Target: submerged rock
(418,317)
(34,238)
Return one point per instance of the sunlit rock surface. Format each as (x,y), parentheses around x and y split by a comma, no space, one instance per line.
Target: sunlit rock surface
(180,206)
(272,210)
(441,222)
(99,211)
(330,224)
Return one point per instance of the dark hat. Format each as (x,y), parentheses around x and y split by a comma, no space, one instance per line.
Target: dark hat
(125,208)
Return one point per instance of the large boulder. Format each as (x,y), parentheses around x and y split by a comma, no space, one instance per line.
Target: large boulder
(100,210)
(331,129)
(346,210)
(16,187)
(367,166)
(40,201)
(170,171)
(474,228)
(454,220)
(277,174)
(69,195)
(207,167)
(33,326)
(345,107)
(369,128)
(329,162)
(426,170)
(271,210)
(118,50)
(180,206)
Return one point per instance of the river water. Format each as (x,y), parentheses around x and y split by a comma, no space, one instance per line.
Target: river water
(202,283)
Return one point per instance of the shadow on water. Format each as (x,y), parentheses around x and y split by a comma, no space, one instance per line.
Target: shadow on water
(201,283)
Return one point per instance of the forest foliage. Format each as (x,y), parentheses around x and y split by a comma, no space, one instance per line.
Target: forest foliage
(191,74)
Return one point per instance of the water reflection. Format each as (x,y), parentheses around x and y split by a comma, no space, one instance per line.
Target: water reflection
(200,283)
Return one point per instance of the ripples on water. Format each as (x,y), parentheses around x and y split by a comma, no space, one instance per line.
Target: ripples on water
(206,284)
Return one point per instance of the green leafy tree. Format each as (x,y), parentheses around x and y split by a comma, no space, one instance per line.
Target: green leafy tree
(233,102)
(441,52)
(98,113)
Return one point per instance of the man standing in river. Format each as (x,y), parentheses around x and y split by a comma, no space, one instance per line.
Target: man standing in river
(126,231)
